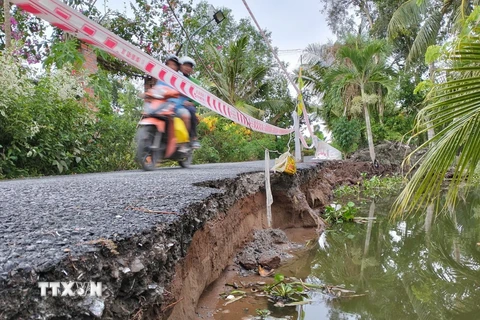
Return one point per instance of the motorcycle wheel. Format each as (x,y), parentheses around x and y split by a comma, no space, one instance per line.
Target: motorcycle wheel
(188,161)
(147,154)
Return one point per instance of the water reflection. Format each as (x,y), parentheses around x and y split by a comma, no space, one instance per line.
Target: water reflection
(424,267)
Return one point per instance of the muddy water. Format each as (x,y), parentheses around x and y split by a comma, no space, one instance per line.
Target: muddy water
(426,266)
(212,307)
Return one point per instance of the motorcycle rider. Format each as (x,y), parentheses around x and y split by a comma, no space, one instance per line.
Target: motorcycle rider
(187,65)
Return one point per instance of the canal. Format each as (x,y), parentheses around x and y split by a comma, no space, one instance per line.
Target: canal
(425,266)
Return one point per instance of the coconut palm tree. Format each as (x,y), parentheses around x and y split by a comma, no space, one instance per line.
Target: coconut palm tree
(350,81)
(234,79)
(454,110)
(429,16)
(316,59)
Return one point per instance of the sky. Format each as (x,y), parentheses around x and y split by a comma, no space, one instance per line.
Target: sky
(292,27)
(293,24)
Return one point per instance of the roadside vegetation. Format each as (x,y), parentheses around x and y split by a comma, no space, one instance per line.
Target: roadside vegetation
(370,188)
(349,198)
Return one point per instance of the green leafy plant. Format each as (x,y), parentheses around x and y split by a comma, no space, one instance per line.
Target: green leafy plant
(225,141)
(285,292)
(376,186)
(372,188)
(48,128)
(336,213)
(263,313)
(63,53)
(345,190)
(347,134)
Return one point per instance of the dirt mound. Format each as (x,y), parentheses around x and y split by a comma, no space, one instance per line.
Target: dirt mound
(388,153)
(267,249)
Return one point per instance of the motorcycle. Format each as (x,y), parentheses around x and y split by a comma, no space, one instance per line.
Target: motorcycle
(162,136)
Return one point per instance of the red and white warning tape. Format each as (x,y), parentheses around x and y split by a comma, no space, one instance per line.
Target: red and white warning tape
(70,20)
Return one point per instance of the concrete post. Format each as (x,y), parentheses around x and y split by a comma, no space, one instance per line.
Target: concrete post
(296,123)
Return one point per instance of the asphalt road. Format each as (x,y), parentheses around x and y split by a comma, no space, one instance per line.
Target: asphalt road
(42,217)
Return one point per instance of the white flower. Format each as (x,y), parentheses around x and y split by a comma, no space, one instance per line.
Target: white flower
(336,206)
(13,82)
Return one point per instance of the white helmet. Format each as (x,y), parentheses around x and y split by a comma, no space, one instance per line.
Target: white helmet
(186,59)
(173,58)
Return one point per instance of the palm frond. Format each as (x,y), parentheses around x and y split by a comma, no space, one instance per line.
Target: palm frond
(249,109)
(275,106)
(426,36)
(461,12)
(312,78)
(409,13)
(318,54)
(454,109)
(375,48)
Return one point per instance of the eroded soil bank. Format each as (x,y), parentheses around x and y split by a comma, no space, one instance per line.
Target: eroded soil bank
(214,248)
(162,272)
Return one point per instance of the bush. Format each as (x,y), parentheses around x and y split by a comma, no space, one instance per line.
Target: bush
(42,123)
(111,146)
(48,129)
(347,134)
(225,141)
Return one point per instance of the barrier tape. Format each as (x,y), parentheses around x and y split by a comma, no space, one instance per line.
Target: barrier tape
(70,20)
(304,142)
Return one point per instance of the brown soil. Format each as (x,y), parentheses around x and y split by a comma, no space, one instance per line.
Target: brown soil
(210,307)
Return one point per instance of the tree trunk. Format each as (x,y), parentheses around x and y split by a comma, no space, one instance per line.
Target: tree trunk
(381,105)
(8,28)
(364,7)
(369,127)
(431,70)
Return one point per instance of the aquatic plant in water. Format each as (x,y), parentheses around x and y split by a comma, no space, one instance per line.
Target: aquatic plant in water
(281,292)
(336,213)
(371,188)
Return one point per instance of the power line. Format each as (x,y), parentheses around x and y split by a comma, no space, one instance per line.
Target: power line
(307,121)
(296,50)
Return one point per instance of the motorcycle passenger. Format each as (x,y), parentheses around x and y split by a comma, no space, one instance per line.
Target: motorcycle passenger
(181,112)
(187,65)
